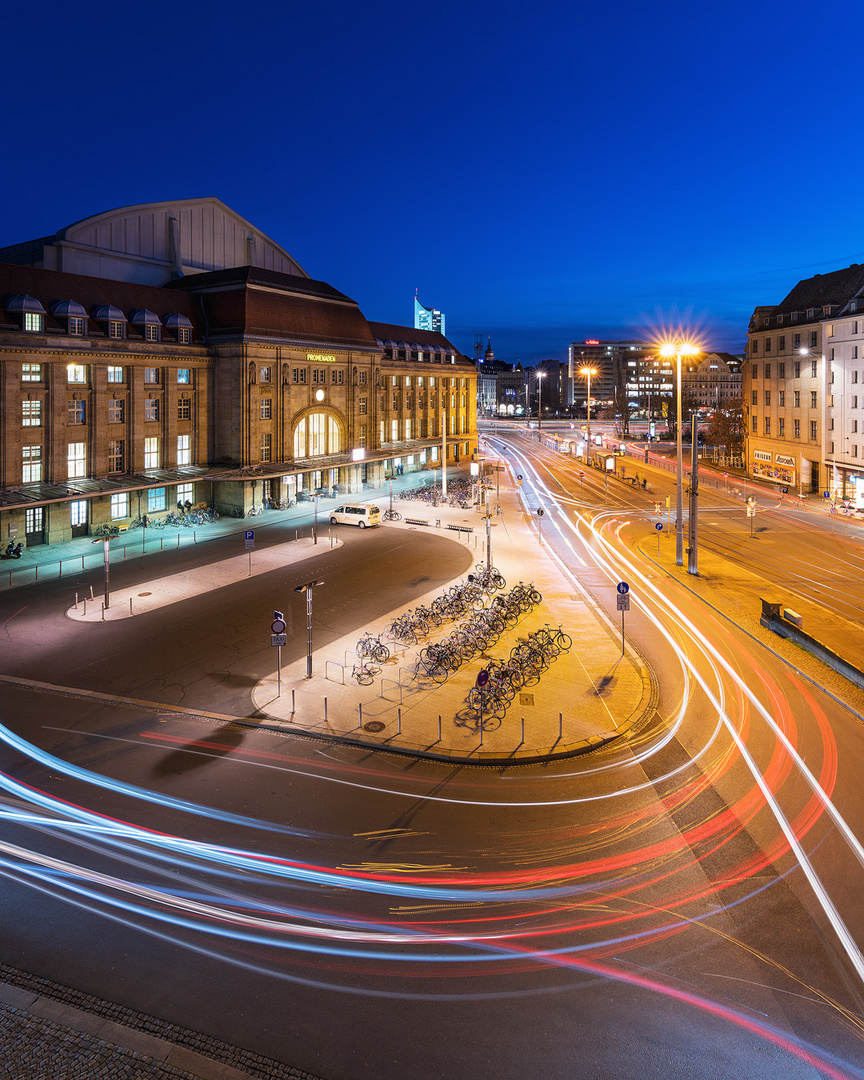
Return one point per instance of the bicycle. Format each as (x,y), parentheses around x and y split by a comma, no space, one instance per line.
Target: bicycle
(391,515)
(369,645)
(365,673)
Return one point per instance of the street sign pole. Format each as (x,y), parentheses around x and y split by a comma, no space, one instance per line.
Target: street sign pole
(307,588)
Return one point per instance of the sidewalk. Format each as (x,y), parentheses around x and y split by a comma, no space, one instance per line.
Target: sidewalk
(590,695)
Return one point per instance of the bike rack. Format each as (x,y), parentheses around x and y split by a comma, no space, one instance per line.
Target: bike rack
(338,668)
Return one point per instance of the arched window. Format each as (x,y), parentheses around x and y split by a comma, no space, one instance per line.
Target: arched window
(317,435)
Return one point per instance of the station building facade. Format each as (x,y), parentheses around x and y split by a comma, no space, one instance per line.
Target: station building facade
(172,353)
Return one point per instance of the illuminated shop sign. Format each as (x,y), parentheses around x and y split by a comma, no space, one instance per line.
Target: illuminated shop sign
(320,358)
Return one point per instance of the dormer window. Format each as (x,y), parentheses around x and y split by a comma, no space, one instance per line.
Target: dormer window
(112,318)
(149,324)
(73,315)
(179,326)
(29,311)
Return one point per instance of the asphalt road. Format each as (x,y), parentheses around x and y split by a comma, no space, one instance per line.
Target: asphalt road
(639,912)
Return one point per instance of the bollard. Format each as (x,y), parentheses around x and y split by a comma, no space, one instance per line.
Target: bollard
(91,592)
(439,727)
(292,699)
(178,540)
(60,574)
(398,721)
(85,605)
(522,743)
(560,725)
(130,605)
(360,708)
(296,535)
(36,577)
(82,562)
(103,611)
(325,709)
(194,536)
(76,601)
(481,728)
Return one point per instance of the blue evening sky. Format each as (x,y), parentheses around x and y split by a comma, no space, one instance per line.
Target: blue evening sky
(541,172)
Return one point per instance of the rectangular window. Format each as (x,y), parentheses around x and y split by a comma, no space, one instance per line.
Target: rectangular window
(184,408)
(184,335)
(76,373)
(319,376)
(266,374)
(361,406)
(854,401)
(754,397)
(115,329)
(767,425)
(781,342)
(151,453)
(781,424)
(796,341)
(33,321)
(754,420)
(768,398)
(395,403)
(797,424)
(394,430)
(298,375)
(408,430)
(151,375)
(31,373)
(151,332)
(266,408)
(155,500)
(755,348)
(854,450)
(78,513)
(183,375)
(116,410)
(76,461)
(151,409)
(781,371)
(854,376)
(116,374)
(781,398)
(855,426)
(184,449)
(116,455)
(813,430)
(75,412)
(337,376)
(362,378)
(31,413)
(796,370)
(361,439)
(812,399)
(812,369)
(814,337)
(76,326)
(767,344)
(120,506)
(266,446)
(767,371)
(796,399)
(185,493)
(31,457)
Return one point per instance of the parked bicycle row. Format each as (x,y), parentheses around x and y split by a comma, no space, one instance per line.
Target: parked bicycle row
(528,659)
(460,492)
(477,633)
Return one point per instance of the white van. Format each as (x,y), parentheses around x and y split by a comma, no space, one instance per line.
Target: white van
(361,514)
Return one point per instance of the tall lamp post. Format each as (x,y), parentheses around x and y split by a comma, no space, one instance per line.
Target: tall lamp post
(588,371)
(540,375)
(679,349)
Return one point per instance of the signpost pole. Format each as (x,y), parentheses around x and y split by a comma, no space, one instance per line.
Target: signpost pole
(278,671)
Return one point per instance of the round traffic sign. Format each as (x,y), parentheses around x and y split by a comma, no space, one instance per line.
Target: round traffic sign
(659,526)
(482,677)
(519,476)
(278,626)
(623,587)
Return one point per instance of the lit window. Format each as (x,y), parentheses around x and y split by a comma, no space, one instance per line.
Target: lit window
(76,461)
(361,406)
(266,446)
(184,449)
(31,373)
(155,500)
(812,399)
(76,373)
(115,329)
(185,493)
(33,321)
(75,412)
(182,375)
(151,452)
(31,472)
(151,409)
(116,410)
(813,430)
(266,374)
(115,374)
(151,375)
(266,408)
(31,413)
(115,457)
(120,506)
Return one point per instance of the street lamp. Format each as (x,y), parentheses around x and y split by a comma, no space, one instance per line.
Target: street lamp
(540,375)
(679,349)
(589,371)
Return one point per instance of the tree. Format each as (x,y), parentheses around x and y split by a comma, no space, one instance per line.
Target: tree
(726,429)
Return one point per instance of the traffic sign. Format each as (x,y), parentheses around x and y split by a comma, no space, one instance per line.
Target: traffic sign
(539,511)
(278,639)
(623,602)
(278,615)
(482,677)
(278,626)
(249,538)
(658,526)
(623,588)
(751,511)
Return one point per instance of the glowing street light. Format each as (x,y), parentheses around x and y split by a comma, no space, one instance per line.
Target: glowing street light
(679,349)
(540,375)
(589,371)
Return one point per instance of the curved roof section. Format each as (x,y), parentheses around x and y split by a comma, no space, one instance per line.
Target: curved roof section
(25,302)
(65,309)
(108,313)
(142,316)
(150,243)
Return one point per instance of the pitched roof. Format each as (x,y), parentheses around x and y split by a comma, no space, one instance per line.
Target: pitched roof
(837,287)
(411,334)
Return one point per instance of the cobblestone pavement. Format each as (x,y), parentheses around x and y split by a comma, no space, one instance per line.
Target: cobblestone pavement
(51,1032)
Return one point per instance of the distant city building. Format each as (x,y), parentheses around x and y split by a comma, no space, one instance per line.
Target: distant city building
(712,380)
(614,362)
(804,366)
(428,318)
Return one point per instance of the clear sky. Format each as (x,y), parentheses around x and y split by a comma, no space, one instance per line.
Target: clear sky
(541,172)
